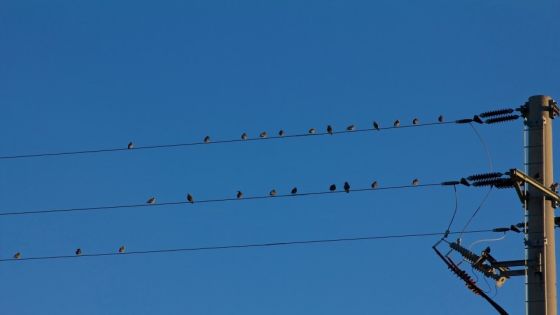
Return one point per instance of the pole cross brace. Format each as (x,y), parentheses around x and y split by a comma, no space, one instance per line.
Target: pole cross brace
(520,177)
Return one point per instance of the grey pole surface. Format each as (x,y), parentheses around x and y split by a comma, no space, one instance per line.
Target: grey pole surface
(541,269)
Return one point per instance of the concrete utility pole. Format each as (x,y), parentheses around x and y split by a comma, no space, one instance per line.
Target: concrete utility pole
(540,243)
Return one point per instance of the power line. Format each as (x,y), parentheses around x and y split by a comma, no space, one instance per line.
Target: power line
(165,204)
(199,143)
(238,246)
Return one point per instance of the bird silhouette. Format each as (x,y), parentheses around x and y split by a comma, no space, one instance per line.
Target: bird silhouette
(554,187)
(376,125)
(17,255)
(281,133)
(351,128)
(263,134)
(151,201)
(273,193)
(440,118)
(397,123)
(190,198)
(207,139)
(294,190)
(346,187)
(312,131)
(332,187)
(122,249)
(374,185)
(415,121)
(130,145)
(78,252)
(329,130)
(415,182)
(244,136)
(239,194)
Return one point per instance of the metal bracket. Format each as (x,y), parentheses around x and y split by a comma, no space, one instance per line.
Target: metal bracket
(521,193)
(553,108)
(519,176)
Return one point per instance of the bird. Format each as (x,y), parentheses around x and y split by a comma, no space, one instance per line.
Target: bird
(440,118)
(415,121)
(151,201)
(17,255)
(329,130)
(351,128)
(281,133)
(333,187)
(415,182)
(207,139)
(312,131)
(272,193)
(294,190)
(376,125)
(78,252)
(374,184)
(244,136)
(397,123)
(122,249)
(346,187)
(239,194)
(263,134)
(554,187)
(190,198)
(130,145)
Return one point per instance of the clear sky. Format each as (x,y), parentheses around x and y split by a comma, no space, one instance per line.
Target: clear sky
(93,74)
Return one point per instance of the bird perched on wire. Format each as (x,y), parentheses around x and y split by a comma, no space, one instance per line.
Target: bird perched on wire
(281,133)
(332,187)
(415,121)
(239,194)
(273,193)
(244,136)
(78,252)
(122,249)
(346,187)
(374,184)
(312,131)
(294,191)
(207,139)
(415,182)
(130,145)
(17,255)
(329,129)
(351,128)
(190,198)
(375,125)
(151,201)
(263,134)
(440,118)
(397,123)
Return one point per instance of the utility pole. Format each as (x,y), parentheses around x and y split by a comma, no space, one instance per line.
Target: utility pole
(540,243)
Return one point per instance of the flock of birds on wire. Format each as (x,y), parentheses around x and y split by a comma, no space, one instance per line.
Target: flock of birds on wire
(415,182)
(329,129)
(273,192)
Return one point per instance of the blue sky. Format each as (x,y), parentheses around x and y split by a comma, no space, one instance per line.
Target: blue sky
(80,75)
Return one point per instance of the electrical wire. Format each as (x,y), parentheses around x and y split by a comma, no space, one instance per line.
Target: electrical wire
(199,143)
(125,206)
(491,166)
(239,246)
